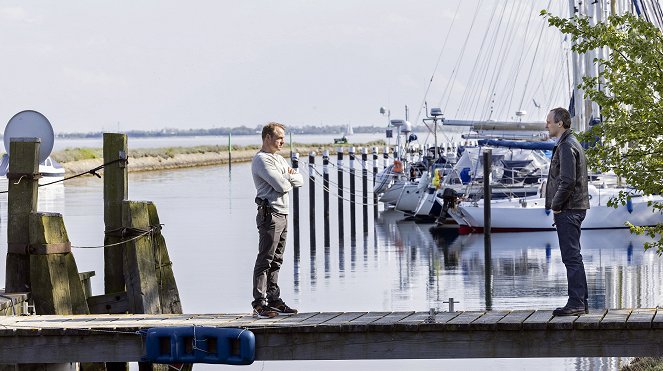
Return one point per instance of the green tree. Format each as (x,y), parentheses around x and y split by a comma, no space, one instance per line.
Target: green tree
(630,139)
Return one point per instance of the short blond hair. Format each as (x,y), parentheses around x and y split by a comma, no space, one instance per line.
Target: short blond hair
(270,129)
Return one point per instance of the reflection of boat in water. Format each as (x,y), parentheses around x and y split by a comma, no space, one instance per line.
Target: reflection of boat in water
(529,214)
(50,170)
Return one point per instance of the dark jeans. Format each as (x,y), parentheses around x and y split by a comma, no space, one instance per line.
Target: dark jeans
(272,230)
(568,232)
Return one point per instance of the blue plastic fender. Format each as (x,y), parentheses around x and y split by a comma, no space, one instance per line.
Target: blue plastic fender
(231,346)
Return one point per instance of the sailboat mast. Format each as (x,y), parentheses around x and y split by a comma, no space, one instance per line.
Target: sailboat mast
(578,120)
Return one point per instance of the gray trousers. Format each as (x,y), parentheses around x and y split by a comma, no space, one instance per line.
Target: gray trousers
(568,224)
(272,231)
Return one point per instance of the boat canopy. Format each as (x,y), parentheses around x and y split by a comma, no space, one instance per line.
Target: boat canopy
(545,146)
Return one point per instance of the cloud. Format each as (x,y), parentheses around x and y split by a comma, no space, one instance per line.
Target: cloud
(16,14)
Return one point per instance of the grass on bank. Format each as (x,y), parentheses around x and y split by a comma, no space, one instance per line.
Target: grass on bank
(77,154)
(644,364)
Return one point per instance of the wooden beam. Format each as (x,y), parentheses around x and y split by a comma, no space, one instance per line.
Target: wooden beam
(109,303)
(115,192)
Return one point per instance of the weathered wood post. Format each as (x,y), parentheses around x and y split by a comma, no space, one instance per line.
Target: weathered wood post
(353,227)
(230,149)
(22,201)
(364,188)
(169,295)
(325,195)
(295,204)
(339,182)
(56,286)
(138,261)
(115,192)
(311,197)
(375,177)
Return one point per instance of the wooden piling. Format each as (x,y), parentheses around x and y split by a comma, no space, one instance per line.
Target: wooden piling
(115,193)
(487,196)
(353,228)
(56,286)
(169,295)
(311,197)
(325,195)
(139,268)
(375,175)
(339,182)
(295,204)
(364,188)
(22,201)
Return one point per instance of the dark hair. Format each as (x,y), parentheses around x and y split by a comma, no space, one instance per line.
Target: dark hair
(270,129)
(561,114)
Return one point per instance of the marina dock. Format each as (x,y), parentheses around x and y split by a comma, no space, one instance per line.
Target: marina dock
(347,335)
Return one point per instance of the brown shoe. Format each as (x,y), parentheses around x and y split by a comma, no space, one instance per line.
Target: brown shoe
(262,311)
(282,308)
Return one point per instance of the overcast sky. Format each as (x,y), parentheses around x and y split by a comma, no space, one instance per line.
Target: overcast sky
(100,65)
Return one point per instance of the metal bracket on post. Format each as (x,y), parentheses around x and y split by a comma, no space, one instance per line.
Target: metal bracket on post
(122,156)
(451,304)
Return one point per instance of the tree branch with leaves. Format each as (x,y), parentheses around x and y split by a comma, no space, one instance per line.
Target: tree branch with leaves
(630,138)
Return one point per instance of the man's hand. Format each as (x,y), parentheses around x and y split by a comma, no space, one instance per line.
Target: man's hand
(292,171)
(557,211)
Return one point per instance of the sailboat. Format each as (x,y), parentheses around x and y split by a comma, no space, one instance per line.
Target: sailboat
(344,138)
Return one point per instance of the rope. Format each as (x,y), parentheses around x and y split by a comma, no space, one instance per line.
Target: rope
(91,172)
(143,233)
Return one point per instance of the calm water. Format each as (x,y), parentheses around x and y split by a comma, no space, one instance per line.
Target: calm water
(397,265)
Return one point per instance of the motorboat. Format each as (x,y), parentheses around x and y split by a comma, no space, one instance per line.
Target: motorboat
(529,214)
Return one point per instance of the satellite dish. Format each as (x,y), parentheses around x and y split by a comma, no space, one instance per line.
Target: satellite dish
(31,124)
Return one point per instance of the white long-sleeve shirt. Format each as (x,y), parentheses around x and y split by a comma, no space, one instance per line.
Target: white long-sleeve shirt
(272,180)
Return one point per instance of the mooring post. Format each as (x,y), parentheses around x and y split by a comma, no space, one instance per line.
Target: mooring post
(487,165)
(139,265)
(396,154)
(375,176)
(364,188)
(295,204)
(339,182)
(325,194)
(115,192)
(311,197)
(487,245)
(23,178)
(169,295)
(230,149)
(385,158)
(353,227)
(56,286)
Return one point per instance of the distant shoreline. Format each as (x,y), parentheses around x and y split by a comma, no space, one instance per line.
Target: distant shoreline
(77,160)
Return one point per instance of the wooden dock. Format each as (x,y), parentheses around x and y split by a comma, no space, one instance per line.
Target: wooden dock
(347,335)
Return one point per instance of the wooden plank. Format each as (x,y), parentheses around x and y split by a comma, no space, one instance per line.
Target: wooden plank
(343,318)
(461,321)
(615,319)
(538,320)
(361,323)
(389,320)
(435,323)
(590,321)
(562,323)
(489,320)
(514,320)
(641,318)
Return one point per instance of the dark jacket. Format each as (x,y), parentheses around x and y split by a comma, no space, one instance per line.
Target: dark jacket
(567,178)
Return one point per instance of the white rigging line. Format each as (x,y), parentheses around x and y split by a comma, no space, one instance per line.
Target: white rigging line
(469,92)
(454,72)
(502,53)
(439,58)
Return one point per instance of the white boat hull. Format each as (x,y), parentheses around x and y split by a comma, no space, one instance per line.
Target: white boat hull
(511,216)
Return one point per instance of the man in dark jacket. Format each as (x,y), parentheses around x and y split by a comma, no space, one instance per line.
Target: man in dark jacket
(568,198)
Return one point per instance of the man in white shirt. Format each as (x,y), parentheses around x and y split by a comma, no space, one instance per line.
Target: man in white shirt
(273,178)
